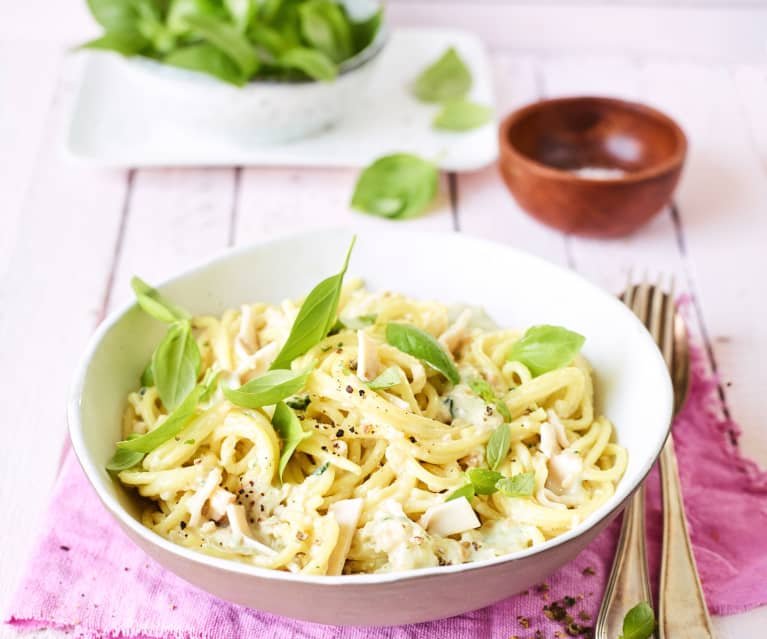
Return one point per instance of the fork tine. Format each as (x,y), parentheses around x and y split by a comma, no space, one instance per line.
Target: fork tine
(639,303)
(627,297)
(656,309)
(669,311)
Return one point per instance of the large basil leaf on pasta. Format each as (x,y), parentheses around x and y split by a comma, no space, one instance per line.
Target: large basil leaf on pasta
(154,304)
(388,378)
(464,491)
(267,389)
(639,622)
(498,446)
(175,364)
(421,345)
(486,392)
(289,428)
(171,427)
(446,79)
(125,459)
(315,318)
(483,480)
(546,348)
(397,186)
(521,485)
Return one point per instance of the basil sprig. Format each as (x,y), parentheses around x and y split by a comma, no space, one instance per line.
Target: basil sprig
(483,481)
(462,115)
(397,186)
(315,317)
(486,392)
(388,378)
(175,364)
(448,78)
(521,485)
(639,622)
(467,490)
(154,304)
(125,459)
(421,345)
(498,446)
(267,389)
(546,348)
(289,428)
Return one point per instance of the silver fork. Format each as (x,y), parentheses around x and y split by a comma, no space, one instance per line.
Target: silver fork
(682,610)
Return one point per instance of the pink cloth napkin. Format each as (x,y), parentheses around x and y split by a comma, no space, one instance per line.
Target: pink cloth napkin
(87,577)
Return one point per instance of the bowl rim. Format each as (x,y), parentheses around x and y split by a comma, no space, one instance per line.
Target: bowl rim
(508,150)
(93,471)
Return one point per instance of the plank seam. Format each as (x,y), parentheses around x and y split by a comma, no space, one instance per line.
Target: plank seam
(452,187)
(234,213)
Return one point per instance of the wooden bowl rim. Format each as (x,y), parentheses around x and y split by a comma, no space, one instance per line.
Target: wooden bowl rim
(508,150)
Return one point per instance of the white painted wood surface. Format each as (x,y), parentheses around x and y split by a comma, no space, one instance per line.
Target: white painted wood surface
(72,236)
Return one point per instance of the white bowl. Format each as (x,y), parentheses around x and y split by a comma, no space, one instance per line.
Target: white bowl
(262,111)
(632,388)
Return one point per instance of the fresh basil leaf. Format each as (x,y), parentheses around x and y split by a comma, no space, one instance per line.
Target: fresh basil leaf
(353,323)
(267,389)
(241,12)
(464,491)
(365,31)
(154,304)
(639,622)
(313,63)
(325,27)
(446,79)
(521,485)
(228,39)
(546,348)
(289,428)
(483,480)
(486,392)
(147,377)
(205,58)
(420,344)
(299,403)
(272,41)
(390,377)
(179,10)
(315,317)
(398,186)
(175,364)
(115,15)
(127,43)
(209,383)
(171,427)
(123,460)
(462,115)
(498,446)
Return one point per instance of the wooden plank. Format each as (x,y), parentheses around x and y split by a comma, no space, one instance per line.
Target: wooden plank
(485,206)
(50,298)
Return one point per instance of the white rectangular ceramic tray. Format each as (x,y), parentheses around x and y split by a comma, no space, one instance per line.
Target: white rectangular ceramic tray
(112,127)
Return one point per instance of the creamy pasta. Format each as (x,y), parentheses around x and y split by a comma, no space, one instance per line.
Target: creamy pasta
(367,488)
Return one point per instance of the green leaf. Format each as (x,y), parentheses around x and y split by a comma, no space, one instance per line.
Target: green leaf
(147,377)
(127,43)
(205,58)
(420,344)
(446,79)
(209,383)
(299,403)
(365,31)
(639,622)
(274,42)
(325,27)
(498,446)
(521,485)
(289,428)
(267,389)
(315,317)
(124,459)
(398,186)
(464,491)
(313,63)
(483,480)
(390,377)
(486,392)
(175,364)
(228,39)
(179,10)
(545,348)
(241,12)
(116,15)
(352,323)
(154,304)
(171,427)
(462,115)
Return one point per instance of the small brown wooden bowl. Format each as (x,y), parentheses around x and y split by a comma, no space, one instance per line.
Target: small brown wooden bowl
(543,144)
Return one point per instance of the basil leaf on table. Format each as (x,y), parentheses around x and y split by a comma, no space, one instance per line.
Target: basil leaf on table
(127,43)
(228,39)
(313,63)
(446,79)
(154,304)
(486,392)
(289,428)
(521,485)
(397,186)
(483,480)
(171,427)
(241,12)
(462,115)
(390,377)
(464,491)
(639,622)
(315,317)
(175,364)
(205,58)
(546,348)
(325,27)
(267,389)
(498,446)
(421,345)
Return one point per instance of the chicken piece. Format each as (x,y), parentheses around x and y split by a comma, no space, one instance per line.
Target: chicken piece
(197,501)
(449,518)
(454,337)
(368,363)
(218,502)
(238,522)
(347,514)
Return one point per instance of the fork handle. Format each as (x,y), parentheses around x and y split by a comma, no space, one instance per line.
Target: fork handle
(682,612)
(629,583)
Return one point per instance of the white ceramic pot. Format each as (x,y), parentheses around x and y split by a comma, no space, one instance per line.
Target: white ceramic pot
(632,388)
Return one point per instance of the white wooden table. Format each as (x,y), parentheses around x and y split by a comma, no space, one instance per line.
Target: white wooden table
(70,237)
